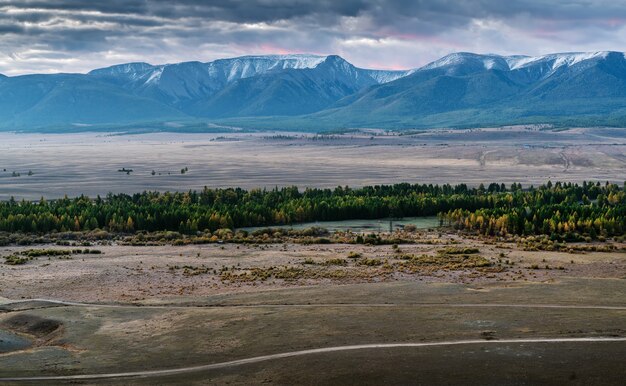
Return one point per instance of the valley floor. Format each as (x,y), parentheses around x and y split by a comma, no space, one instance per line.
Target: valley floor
(446,309)
(442,307)
(96,163)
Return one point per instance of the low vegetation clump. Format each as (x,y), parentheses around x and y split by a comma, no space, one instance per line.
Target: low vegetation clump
(339,262)
(370,262)
(59,252)
(458,251)
(46,252)
(331,269)
(414,263)
(380,239)
(354,255)
(23,257)
(313,240)
(189,270)
(546,266)
(410,228)
(87,251)
(545,243)
(354,267)
(262,274)
(15,260)
(223,235)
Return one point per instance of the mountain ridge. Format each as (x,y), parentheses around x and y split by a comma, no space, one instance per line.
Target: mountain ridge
(317,92)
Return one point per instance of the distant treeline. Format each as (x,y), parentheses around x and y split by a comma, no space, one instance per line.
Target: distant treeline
(563,210)
(492,209)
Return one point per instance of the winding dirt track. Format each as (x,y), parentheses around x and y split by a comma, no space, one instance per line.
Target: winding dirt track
(263,358)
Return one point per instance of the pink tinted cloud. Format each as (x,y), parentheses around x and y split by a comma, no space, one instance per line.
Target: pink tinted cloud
(615,22)
(268,48)
(272,49)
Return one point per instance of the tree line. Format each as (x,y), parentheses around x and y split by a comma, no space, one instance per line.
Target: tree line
(565,210)
(492,209)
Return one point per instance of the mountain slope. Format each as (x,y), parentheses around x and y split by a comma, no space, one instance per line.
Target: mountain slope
(141,92)
(36,101)
(326,92)
(249,85)
(470,89)
(287,92)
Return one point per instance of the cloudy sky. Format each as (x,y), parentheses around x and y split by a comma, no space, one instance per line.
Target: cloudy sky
(79,35)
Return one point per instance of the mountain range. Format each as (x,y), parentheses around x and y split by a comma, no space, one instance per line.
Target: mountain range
(324,92)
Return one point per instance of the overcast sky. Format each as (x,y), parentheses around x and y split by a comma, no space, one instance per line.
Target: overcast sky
(79,35)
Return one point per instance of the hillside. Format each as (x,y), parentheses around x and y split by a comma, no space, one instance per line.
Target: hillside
(308,92)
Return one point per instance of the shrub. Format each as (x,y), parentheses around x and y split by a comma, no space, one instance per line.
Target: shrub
(46,252)
(342,262)
(370,262)
(410,227)
(15,260)
(458,251)
(354,255)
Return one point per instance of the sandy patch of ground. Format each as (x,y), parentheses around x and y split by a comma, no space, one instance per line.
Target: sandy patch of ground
(140,274)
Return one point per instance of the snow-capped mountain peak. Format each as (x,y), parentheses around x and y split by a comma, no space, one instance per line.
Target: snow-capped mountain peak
(130,70)
(295,61)
(557,60)
(248,66)
(179,82)
(510,63)
(458,89)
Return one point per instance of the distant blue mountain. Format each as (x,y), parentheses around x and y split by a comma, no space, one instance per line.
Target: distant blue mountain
(247,86)
(36,101)
(326,92)
(466,89)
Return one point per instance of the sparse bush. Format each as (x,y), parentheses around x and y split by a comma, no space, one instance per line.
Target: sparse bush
(370,262)
(354,255)
(341,262)
(458,251)
(15,260)
(46,252)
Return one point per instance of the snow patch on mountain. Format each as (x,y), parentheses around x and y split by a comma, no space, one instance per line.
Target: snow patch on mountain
(458,58)
(128,70)
(557,60)
(224,71)
(386,76)
(155,76)
(248,66)
(509,63)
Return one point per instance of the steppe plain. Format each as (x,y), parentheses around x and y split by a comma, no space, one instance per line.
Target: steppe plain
(296,313)
(89,163)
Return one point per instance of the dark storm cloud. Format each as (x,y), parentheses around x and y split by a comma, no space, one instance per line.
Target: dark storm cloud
(387,12)
(408,32)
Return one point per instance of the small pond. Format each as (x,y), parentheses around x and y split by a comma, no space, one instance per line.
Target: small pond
(360,226)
